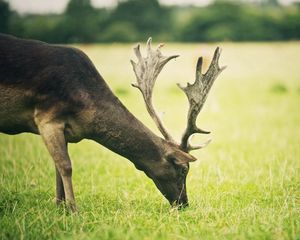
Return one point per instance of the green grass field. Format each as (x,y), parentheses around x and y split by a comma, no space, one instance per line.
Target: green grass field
(245,184)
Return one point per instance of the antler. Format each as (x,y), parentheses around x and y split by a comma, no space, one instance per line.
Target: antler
(197,94)
(146,71)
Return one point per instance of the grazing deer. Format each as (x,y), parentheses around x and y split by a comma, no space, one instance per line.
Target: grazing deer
(56,92)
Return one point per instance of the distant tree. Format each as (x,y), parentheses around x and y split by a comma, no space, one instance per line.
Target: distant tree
(79,23)
(135,20)
(148,17)
(290,23)
(79,8)
(42,27)
(4,16)
(270,2)
(217,22)
(120,32)
(237,21)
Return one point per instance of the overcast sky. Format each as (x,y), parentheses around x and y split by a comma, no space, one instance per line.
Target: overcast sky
(58,6)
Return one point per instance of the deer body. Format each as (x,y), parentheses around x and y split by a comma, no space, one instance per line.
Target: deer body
(57,92)
(66,88)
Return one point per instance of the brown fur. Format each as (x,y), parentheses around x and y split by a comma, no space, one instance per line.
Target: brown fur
(56,92)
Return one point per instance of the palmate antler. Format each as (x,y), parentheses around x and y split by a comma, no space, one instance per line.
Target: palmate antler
(197,94)
(147,70)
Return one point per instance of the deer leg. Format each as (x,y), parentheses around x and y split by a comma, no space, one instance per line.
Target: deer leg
(60,192)
(53,136)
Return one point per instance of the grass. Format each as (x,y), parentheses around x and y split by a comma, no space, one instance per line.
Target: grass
(245,185)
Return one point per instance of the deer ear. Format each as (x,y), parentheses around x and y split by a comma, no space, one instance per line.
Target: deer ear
(180,157)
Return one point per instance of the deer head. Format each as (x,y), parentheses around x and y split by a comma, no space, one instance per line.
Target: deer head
(170,171)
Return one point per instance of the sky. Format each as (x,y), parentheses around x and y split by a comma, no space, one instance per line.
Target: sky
(58,6)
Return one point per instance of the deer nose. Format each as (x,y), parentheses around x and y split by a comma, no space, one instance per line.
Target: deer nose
(180,203)
(183,199)
(183,203)
(182,206)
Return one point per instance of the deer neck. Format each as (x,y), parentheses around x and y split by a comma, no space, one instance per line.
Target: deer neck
(120,131)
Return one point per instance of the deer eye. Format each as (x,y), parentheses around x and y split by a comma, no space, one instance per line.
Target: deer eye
(184,170)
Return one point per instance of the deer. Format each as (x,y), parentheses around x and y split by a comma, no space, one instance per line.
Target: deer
(55,91)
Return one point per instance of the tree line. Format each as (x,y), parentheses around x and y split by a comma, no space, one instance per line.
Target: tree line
(135,20)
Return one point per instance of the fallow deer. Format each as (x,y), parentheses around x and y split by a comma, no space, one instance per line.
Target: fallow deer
(56,91)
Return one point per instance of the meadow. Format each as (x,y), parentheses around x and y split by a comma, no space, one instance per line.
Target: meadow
(245,184)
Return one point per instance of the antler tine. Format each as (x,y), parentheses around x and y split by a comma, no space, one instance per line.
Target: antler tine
(197,94)
(146,71)
(149,42)
(196,147)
